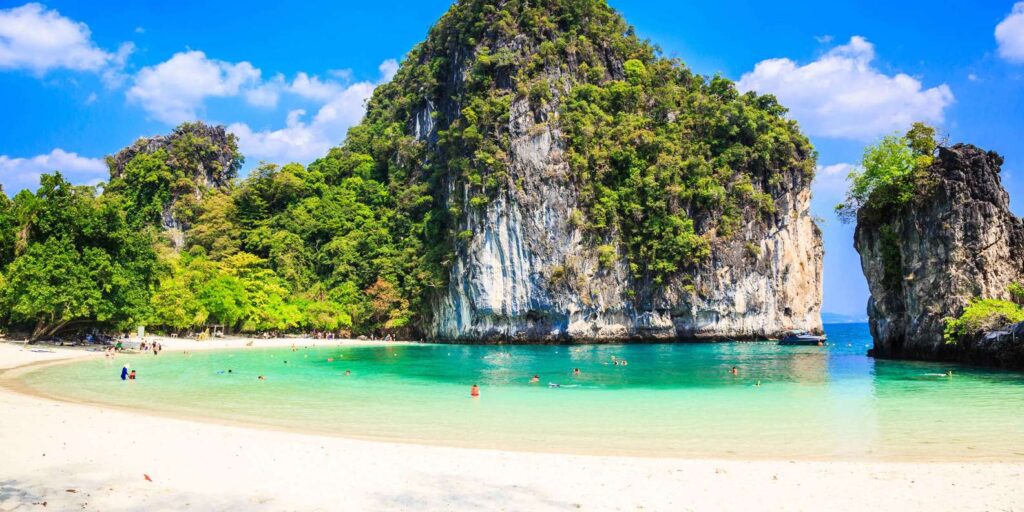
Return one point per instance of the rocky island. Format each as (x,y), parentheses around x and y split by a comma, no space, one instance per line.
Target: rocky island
(944,263)
(585,189)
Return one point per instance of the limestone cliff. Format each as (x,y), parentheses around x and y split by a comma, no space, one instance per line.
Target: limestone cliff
(590,189)
(182,166)
(927,260)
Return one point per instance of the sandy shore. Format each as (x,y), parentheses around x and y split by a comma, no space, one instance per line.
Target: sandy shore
(88,458)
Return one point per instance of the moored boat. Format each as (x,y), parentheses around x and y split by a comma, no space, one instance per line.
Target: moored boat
(802,338)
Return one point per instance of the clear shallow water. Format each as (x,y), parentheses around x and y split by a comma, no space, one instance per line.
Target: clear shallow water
(671,400)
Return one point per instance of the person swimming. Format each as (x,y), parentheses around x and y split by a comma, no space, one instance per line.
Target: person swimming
(734,371)
(261,378)
(474,391)
(575,371)
(348,372)
(535,379)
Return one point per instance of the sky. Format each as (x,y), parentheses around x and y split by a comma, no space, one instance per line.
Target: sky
(80,80)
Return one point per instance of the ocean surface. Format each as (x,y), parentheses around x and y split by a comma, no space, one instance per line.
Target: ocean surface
(679,400)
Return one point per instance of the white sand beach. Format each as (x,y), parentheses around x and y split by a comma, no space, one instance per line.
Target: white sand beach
(65,456)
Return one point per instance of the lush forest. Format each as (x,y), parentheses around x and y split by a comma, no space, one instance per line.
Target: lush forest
(665,161)
(286,248)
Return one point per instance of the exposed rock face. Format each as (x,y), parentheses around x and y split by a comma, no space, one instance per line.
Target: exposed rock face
(926,261)
(203,157)
(530,274)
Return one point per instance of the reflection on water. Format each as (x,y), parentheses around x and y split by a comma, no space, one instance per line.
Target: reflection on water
(670,400)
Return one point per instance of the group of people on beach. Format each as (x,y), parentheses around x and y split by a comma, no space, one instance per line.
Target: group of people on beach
(154,346)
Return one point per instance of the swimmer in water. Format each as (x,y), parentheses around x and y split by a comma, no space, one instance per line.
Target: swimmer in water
(261,378)
(734,371)
(535,379)
(348,372)
(575,371)
(474,391)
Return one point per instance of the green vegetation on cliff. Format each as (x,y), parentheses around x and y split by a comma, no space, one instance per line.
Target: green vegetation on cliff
(983,315)
(892,173)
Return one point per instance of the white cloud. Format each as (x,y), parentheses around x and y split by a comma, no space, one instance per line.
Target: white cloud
(175,90)
(38,39)
(388,69)
(830,180)
(266,94)
(841,95)
(1010,35)
(829,188)
(310,87)
(17,174)
(304,141)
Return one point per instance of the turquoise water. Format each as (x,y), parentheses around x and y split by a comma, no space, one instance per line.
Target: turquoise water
(671,400)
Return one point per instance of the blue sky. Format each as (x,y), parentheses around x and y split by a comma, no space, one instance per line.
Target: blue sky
(79,80)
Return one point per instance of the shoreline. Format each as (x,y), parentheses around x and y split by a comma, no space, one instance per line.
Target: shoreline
(11,380)
(98,451)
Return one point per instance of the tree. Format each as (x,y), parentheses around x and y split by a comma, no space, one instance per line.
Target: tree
(225,298)
(78,261)
(215,229)
(892,172)
(387,306)
(51,287)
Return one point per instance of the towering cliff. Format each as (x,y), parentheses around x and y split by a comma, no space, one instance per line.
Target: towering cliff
(570,184)
(166,176)
(927,260)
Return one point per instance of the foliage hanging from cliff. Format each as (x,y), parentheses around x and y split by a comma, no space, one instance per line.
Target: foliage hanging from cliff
(892,173)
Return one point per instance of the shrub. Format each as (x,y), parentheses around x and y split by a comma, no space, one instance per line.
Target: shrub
(982,315)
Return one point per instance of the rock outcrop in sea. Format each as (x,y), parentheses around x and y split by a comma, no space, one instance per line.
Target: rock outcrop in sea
(527,267)
(926,261)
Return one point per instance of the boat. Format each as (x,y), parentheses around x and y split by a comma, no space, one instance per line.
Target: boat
(802,338)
